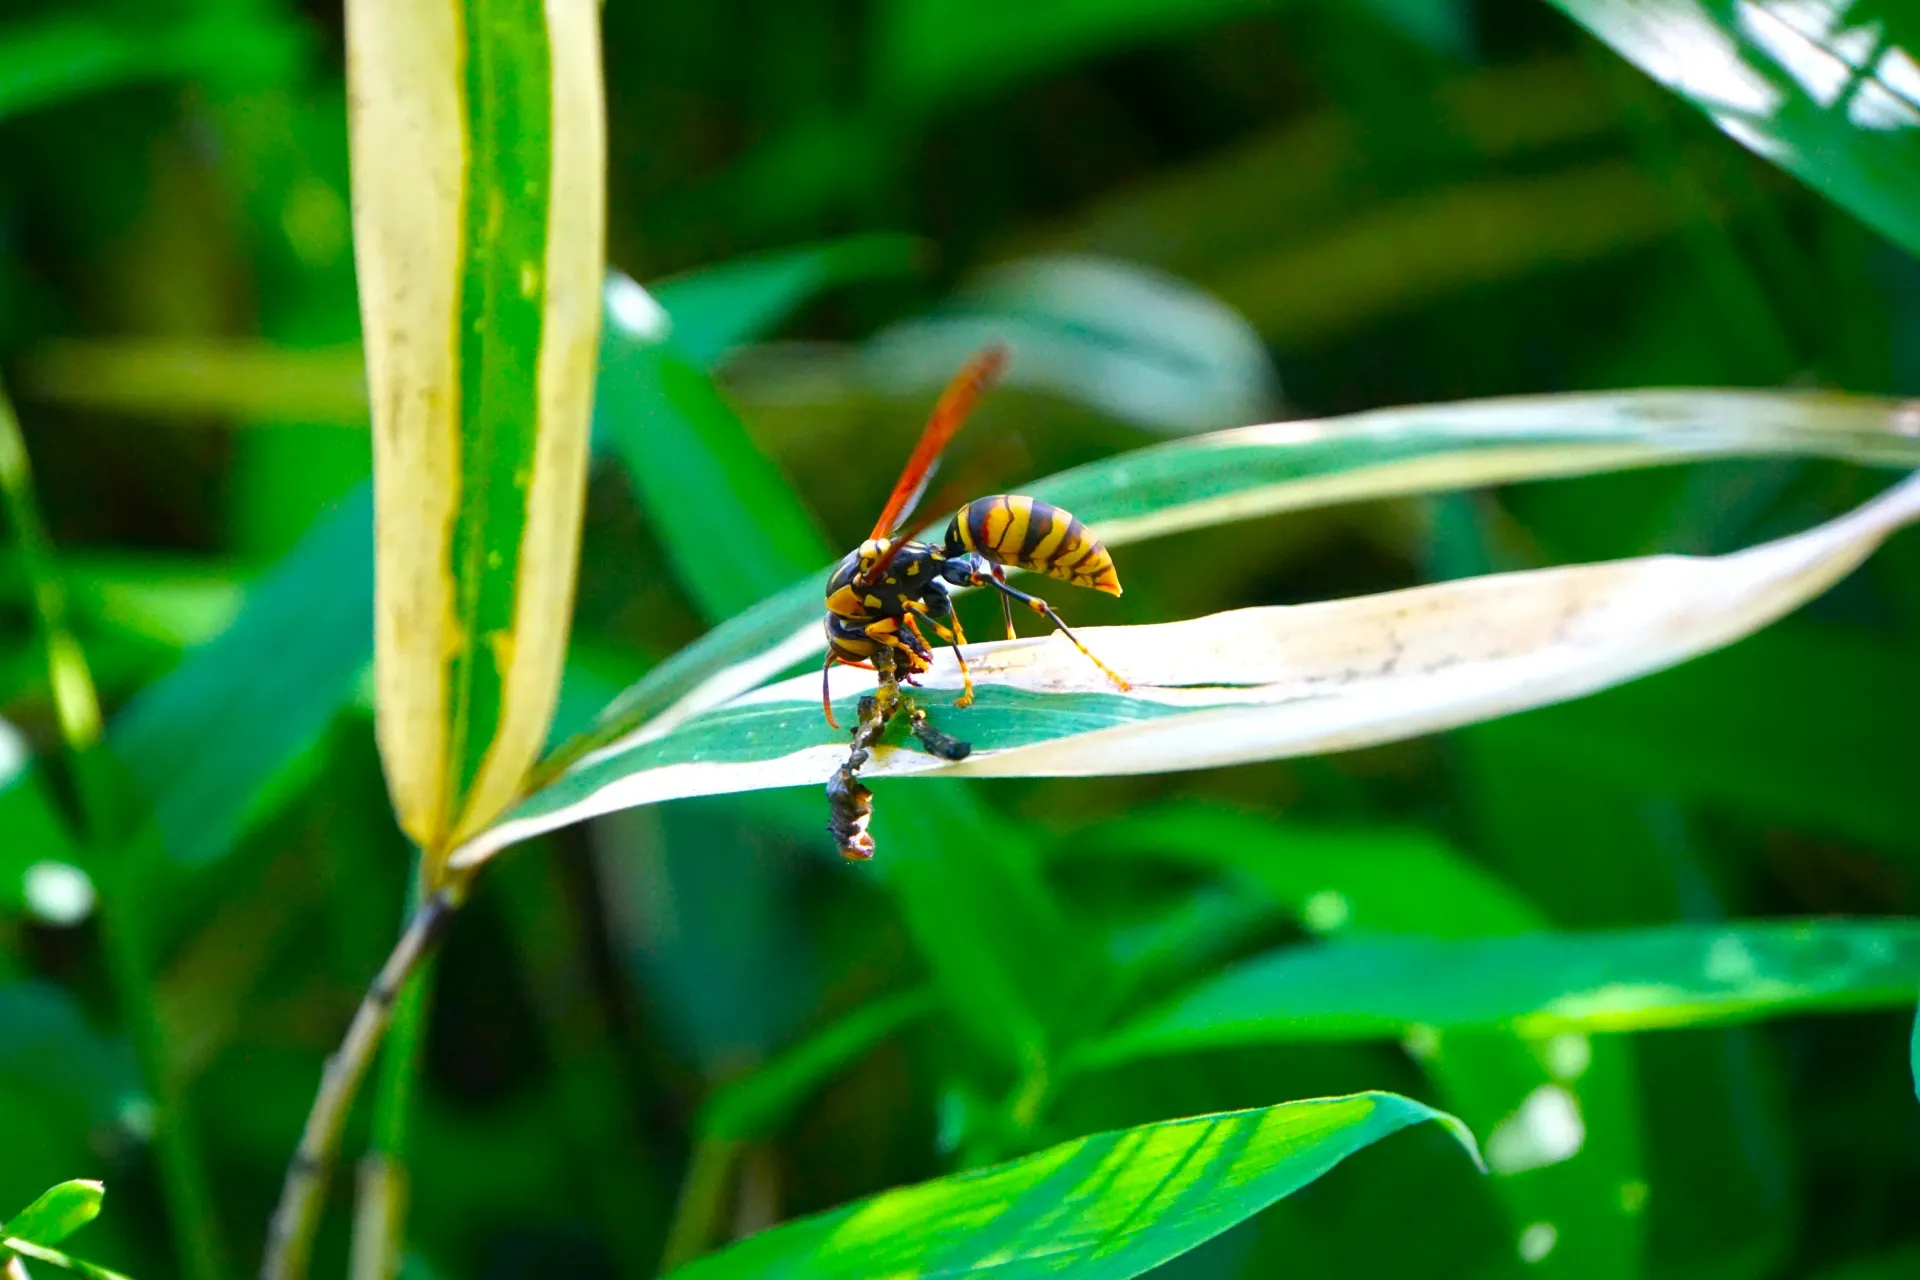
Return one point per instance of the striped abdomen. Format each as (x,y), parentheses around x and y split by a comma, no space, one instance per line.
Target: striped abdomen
(1033,535)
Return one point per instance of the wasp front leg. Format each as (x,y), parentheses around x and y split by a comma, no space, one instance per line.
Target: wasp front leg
(956,637)
(908,645)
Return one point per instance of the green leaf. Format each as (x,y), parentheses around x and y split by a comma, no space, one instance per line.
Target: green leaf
(1254,684)
(1914,1053)
(1538,984)
(1136,345)
(55,1258)
(1338,881)
(204,741)
(1830,93)
(716,309)
(1105,1207)
(1561,1117)
(49,60)
(693,465)
(757,1104)
(58,1213)
(1830,759)
(1258,471)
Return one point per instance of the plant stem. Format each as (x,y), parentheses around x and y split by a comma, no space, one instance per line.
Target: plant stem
(380,1212)
(116,848)
(290,1235)
(703,1197)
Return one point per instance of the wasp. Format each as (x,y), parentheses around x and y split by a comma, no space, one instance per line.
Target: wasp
(880,594)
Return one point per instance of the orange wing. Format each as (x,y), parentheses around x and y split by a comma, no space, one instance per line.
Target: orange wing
(956,402)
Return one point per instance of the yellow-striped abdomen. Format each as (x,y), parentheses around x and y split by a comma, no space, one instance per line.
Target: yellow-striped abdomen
(1031,534)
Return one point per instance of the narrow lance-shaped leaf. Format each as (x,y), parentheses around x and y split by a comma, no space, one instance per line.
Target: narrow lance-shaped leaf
(1105,1207)
(1829,92)
(1254,684)
(58,1213)
(1288,466)
(1540,984)
(57,1258)
(478,158)
(1560,1141)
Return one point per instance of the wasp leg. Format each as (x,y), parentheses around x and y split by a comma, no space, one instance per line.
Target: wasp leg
(944,745)
(1041,607)
(907,648)
(1006,610)
(826,690)
(956,638)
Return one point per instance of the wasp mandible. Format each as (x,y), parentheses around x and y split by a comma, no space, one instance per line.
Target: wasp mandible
(878,596)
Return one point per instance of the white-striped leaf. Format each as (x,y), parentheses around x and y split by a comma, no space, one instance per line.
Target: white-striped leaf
(478,167)
(1248,685)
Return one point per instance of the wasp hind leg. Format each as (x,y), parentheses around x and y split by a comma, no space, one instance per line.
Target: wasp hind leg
(1046,610)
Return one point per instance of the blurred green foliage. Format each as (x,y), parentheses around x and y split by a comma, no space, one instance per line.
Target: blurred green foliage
(1296,209)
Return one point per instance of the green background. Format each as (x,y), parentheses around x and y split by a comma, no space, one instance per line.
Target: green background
(1353,205)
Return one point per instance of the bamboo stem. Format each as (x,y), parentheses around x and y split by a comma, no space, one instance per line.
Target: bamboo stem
(290,1234)
(380,1207)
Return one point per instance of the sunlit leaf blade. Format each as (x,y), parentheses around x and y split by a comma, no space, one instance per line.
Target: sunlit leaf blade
(479,175)
(1560,1116)
(1254,684)
(1538,984)
(1103,1208)
(757,1104)
(56,1258)
(1829,92)
(59,1213)
(1288,466)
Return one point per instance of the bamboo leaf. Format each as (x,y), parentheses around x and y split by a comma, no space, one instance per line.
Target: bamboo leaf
(479,173)
(1830,93)
(693,465)
(1264,470)
(56,1258)
(1538,984)
(58,1213)
(1104,1207)
(718,308)
(1561,1116)
(1253,684)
